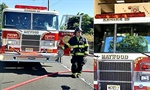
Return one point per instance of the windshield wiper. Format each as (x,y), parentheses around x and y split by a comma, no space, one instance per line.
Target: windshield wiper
(146,54)
(47,30)
(139,52)
(9,26)
(41,27)
(142,53)
(12,26)
(19,29)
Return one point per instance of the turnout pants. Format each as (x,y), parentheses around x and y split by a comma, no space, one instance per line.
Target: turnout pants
(77,64)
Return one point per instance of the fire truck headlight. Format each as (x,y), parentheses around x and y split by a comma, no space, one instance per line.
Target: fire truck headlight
(144,78)
(1,57)
(13,42)
(48,43)
(51,44)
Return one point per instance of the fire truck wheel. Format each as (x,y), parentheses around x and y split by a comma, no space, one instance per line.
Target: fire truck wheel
(38,66)
(2,65)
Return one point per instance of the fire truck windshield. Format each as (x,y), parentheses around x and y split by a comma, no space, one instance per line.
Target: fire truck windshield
(130,38)
(30,21)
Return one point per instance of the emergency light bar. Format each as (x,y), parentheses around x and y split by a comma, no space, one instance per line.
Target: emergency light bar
(120,15)
(31,7)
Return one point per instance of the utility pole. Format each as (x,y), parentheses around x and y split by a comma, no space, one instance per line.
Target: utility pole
(48,5)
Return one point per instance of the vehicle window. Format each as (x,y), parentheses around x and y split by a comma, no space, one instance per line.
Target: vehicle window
(45,21)
(17,20)
(130,38)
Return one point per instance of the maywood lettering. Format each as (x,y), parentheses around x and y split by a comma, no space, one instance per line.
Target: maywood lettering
(31,32)
(116,19)
(115,57)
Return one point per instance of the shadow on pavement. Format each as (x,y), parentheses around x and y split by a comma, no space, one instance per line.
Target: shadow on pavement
(61,75)
(22,68)
(64,87)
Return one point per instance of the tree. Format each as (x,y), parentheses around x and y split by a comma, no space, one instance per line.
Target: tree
(87,23)
(73,23)
(2,6)
(130,44)
(63,27)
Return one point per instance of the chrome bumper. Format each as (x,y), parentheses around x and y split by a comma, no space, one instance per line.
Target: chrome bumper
(44,57)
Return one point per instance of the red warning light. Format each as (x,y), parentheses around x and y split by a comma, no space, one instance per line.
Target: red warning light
(120,15)
(31,7)
(12,36)
(145,66)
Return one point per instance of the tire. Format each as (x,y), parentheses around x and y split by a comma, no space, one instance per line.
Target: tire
(2,66)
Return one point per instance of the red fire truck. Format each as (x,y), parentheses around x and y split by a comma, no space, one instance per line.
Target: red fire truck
(123,61)
(32,34)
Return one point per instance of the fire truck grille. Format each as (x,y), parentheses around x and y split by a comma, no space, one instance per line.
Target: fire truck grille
(116,73)
(115,66)
(123,86)
(116,76)
(30,41)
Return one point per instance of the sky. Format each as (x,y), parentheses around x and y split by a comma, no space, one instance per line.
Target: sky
(70,7)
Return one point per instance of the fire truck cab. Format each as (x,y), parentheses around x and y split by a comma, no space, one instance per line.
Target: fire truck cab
(32,34)
(123,55)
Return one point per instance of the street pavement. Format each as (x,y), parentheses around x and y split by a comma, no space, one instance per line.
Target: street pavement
(34,76)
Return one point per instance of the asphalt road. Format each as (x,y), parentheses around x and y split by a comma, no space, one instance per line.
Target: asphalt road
(39,76)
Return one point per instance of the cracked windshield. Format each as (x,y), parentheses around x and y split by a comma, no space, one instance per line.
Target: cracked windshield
(130,38)
(32,21)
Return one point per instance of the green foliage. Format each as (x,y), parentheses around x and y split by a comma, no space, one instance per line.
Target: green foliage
(63,27)
(91,31)
(87,23)
(89,37)
(73,23)
(2,6)
(131,44)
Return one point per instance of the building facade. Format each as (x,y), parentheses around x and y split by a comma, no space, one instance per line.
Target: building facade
(121,6)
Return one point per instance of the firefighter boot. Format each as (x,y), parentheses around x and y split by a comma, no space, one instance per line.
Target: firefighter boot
(73,75)
(78,75)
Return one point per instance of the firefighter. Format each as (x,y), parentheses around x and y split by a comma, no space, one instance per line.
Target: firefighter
(79,50)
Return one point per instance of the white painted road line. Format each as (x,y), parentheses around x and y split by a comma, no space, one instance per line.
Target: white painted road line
(91,85)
